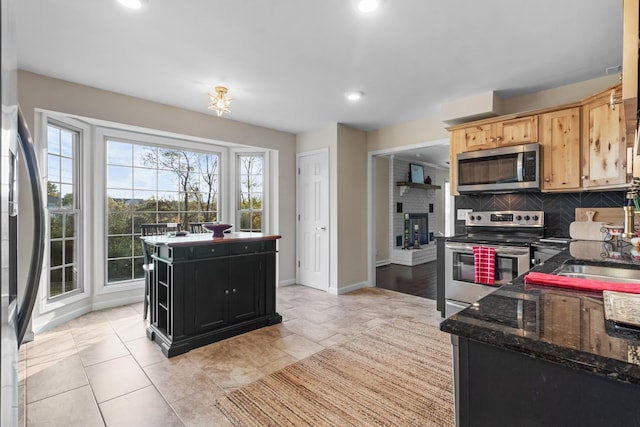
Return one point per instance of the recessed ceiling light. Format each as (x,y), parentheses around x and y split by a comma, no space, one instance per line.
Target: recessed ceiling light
(353,95)
(367,6)
(132,4)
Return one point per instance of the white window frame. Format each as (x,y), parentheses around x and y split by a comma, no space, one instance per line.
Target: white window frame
(84,152)
(102,135)
(234,211)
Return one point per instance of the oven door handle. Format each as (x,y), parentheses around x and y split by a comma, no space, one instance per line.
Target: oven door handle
(500,250)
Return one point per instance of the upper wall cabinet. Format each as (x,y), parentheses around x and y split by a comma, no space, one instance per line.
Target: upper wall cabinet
(520,130)
(560,140)
(604,146)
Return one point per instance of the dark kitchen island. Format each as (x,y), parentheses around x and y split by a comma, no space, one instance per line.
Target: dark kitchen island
(544,356)
(205,289)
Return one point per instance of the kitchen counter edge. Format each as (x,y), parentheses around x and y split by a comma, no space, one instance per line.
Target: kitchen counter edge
(493,331)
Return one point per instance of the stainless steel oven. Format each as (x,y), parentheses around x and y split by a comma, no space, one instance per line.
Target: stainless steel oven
(460,287)
(510,233)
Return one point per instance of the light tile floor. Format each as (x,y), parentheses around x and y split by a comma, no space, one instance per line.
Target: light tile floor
(101,369)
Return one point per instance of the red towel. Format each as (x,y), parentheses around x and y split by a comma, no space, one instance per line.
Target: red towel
(536,278)
(484,261)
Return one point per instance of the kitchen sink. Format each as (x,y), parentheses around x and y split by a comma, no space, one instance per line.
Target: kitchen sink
(605,273)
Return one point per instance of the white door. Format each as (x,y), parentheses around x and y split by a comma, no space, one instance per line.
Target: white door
(313,219)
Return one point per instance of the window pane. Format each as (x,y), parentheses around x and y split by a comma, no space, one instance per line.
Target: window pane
(70,279)
(119,270)
(53,140)
(55,282)
(119,246)
(119,153)
(55,226)
(119,177)
(167,180)
(69,226)
(138,272)
(66,191)
(145,156)
(123,195)
(144,179)
(55,258)
(66,143)
(53,168)
(69,251)
(137,246)
(120,223)
(66,170)
(63,203)
(164,185)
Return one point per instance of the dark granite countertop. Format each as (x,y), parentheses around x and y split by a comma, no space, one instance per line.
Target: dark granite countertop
(201,239)
(559,325)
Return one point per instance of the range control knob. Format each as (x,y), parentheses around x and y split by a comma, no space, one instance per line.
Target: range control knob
(471,217)
(536,217)
(527,218)
(478,217)
(518,217)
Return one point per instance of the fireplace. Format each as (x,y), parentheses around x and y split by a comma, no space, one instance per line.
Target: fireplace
(416,227)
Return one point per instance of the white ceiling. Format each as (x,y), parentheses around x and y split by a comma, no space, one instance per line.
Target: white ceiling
(287,63)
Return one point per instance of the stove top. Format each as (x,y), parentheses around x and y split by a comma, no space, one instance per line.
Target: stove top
(506,219)
(521,228)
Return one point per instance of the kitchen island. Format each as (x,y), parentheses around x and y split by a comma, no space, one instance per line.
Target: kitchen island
(205,289)
(544,356)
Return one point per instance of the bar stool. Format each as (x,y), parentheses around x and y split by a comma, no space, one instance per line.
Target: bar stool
(196,227)
(145,231)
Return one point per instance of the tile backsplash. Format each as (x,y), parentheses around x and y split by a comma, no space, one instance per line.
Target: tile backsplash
(559,208)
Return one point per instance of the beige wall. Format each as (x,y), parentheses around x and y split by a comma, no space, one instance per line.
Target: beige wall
(348,201)
(382,208)
(558,96)
(352,206)
(36,91)
(423,130)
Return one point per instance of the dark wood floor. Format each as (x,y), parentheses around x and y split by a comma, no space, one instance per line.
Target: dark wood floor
(419,280)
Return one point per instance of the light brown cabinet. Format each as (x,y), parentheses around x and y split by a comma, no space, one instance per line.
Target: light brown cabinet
(604,146)
(520,130)
(630,43)
(584,145)
(457,142)
(560,141)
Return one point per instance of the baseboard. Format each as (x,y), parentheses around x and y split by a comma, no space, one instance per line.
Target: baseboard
(383,262)
(350,288)
(287,282)
(42,323)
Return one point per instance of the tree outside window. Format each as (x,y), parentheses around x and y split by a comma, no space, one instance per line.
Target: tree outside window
(147,184)
(251,192)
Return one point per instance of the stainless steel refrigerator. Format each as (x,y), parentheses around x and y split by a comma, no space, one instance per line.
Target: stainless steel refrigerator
(16,152)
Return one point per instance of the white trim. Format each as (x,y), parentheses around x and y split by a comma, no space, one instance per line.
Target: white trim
(371,217)
(84,152)
(96,295)
(383,262)
(289,282)
(346,289)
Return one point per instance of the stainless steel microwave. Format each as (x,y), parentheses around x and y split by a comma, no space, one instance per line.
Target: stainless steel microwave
(500,170)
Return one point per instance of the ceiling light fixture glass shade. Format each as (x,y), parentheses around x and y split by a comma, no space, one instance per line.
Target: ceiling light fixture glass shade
(132,4)
(219,101)
(353,95)
(367,6)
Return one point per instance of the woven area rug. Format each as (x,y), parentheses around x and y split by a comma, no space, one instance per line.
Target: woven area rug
(398,374)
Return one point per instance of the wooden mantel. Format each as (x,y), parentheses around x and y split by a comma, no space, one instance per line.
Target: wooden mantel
(408,185)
